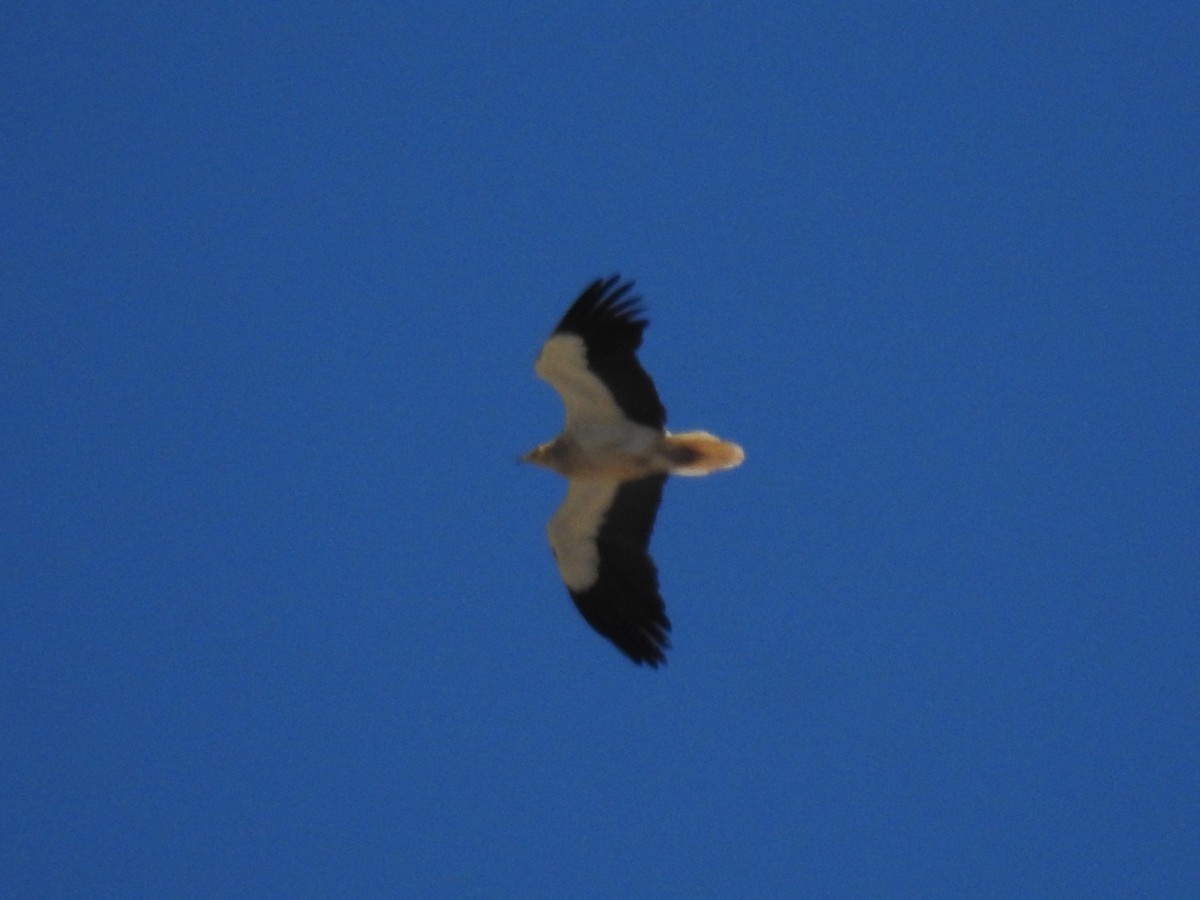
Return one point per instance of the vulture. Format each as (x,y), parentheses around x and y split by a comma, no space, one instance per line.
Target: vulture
(616,455)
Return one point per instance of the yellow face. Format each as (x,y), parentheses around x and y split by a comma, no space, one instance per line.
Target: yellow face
(536,456)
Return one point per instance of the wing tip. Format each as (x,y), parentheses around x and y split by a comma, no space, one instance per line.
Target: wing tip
(606,303)
(643,637)
(644,648)
(651,660)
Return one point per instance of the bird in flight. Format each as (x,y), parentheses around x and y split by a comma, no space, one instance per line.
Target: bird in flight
(616,454)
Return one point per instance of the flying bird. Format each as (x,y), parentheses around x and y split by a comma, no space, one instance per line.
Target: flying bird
(616,454)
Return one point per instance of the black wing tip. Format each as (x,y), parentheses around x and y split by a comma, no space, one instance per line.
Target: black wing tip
(646,643)
(641,635)
(645,646)
(655,657)
(606,303)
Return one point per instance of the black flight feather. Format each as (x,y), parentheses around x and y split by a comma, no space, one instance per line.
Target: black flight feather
(610,322)
(623,604)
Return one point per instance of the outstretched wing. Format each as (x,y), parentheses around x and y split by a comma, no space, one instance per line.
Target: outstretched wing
(601,539)
(590,359)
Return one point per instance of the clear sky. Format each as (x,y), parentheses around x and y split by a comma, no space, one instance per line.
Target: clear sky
(278,617)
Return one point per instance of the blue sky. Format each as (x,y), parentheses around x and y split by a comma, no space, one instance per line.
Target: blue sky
(277,612)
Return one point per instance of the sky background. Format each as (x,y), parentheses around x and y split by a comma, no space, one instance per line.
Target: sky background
(278,617)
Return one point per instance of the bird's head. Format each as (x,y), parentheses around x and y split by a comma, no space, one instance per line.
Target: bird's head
(538,456)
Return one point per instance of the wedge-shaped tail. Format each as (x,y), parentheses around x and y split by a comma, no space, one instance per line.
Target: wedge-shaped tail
(698,453)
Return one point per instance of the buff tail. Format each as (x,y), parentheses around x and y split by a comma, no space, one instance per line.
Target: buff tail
(698,453)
